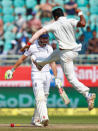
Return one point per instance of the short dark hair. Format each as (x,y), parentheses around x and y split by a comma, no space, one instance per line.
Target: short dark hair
(57,13)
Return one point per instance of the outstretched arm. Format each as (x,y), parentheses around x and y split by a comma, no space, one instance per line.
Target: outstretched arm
(19,62)
(34,37)
(9,73)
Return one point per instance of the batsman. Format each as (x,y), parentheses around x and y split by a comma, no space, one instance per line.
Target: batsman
(40,79)
(64,30)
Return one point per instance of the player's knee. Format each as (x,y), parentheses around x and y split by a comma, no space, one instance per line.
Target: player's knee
(40,98)
(71,79)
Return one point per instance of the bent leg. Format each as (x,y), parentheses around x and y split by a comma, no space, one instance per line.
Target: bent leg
(68,69)
(53,57)
(66,60)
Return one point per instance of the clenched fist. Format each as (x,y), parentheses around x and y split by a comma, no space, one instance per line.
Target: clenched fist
(77,11)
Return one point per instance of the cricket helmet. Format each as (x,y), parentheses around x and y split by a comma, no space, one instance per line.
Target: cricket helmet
(43,40)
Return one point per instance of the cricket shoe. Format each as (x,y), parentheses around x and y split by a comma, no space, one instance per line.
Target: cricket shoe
(36,123)
(90,99)
(45,122)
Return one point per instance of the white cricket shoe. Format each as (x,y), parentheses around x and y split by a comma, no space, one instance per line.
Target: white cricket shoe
(36,123)
(45,122)
(90,100)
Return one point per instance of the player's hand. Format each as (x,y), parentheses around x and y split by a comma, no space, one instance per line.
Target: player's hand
(77,11)
(58,82)
(8,74)
(39,67)
(25,47)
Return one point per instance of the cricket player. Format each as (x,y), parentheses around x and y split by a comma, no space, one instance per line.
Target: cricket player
(40,79)
(63,29)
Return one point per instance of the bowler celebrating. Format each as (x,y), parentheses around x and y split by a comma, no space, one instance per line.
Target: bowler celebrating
(64,32)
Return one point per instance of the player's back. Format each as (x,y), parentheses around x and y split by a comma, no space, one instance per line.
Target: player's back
(65,32)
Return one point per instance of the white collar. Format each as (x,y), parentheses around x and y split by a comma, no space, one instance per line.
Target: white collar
(62,17)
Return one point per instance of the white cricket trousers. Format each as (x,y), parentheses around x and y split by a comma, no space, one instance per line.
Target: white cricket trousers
(41,84)
(66,58)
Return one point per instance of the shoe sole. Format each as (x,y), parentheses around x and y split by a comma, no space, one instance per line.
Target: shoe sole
(37,125)
(92,102)
(45,122)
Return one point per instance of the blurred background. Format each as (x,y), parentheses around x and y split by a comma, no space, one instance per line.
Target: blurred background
(19,20)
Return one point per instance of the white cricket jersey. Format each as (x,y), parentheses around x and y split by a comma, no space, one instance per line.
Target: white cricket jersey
(39,52)
(64,32)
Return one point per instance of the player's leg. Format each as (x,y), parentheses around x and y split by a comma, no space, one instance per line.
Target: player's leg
(40,97)
(66,60)
(47,79)
(40,101)
(36,118)
(53,57)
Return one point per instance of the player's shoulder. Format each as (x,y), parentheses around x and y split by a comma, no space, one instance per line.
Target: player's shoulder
(62,18)
(71,19)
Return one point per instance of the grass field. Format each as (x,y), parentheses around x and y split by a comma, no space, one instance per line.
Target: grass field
(56,123)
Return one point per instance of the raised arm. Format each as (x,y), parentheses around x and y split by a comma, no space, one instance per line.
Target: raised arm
(37,35)
(82,21)
(34,37)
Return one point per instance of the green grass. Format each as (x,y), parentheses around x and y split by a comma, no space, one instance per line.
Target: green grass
(56,120)
(74,119)
(53,119)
